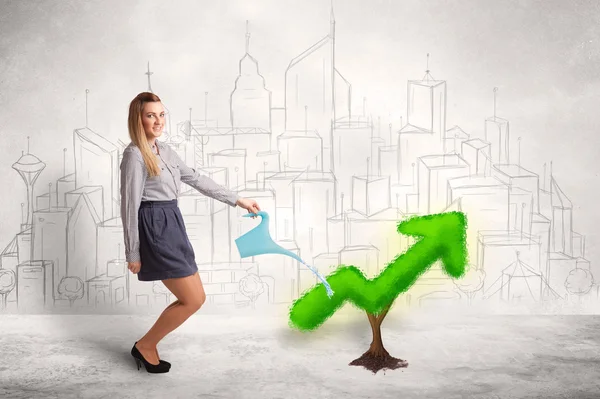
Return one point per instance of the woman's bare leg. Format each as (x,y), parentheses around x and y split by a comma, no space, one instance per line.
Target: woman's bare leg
(190,298)
(167,308)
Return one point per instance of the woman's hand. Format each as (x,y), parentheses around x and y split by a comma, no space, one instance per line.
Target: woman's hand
(134,267)
(249,204)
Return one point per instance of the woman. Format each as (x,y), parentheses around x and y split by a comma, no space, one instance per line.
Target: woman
(156,242)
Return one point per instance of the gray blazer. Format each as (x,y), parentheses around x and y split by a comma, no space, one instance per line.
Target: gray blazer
(136,186)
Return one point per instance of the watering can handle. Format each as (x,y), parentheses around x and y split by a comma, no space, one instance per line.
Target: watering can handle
(260,213)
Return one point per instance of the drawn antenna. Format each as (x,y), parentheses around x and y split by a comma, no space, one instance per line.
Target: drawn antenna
(427,74)
(247,38)
(86,108)
(495,91)
(149,73)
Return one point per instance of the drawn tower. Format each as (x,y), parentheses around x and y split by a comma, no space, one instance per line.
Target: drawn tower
(427,105)
(250,100)
(167,129)
(29,167)
(309,91)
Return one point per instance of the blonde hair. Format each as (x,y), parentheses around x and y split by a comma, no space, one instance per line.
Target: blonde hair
(137,133)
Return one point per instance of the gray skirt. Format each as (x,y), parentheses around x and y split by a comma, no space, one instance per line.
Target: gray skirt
(165,249)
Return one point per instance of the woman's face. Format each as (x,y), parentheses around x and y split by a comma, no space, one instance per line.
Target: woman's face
(153,119)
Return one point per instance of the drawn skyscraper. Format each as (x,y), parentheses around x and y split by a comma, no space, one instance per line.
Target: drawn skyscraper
(96,164)
(425,130)
(427,105)
(497,133)
(250,101)
(311,84)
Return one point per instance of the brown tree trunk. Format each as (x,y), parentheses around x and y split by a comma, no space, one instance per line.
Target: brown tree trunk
(377,357)
(376,349)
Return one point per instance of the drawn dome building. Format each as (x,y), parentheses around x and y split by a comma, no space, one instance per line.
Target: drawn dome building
(29,168)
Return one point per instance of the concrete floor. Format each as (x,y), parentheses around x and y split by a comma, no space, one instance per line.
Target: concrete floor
(257,355)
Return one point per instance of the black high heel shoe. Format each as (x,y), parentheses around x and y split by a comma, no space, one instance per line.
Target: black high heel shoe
(165,362)
(160,360)
(161,367)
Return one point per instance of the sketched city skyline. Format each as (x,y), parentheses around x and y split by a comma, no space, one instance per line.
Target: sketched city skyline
(336,184)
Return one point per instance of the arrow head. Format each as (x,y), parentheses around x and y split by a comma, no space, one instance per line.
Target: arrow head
(447,233)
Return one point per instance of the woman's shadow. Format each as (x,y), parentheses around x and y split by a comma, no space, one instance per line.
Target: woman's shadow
(102,334)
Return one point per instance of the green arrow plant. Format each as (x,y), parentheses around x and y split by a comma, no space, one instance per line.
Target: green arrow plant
(441,236)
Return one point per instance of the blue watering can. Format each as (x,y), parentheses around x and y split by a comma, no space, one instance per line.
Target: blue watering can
(258,241)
